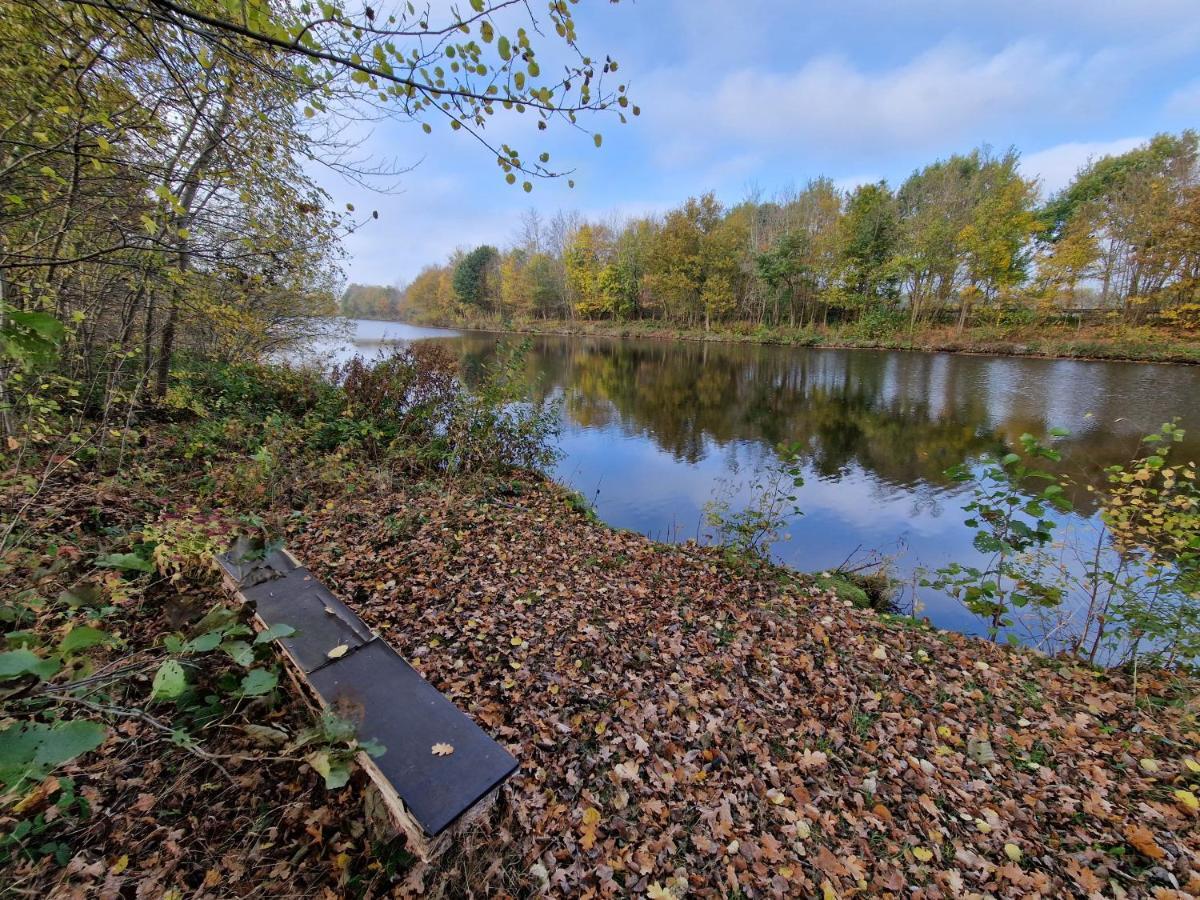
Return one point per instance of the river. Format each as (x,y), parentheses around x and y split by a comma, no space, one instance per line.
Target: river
(652,430)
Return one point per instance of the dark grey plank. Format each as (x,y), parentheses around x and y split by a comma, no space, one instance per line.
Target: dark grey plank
(321,620)
(392,704)
(248,572)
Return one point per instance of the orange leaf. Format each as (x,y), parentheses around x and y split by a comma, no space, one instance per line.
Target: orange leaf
(1142,840)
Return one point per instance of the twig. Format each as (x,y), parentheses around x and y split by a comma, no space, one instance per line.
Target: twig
(150,720)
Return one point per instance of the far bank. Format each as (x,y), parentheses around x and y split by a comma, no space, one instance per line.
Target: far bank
(1107,342)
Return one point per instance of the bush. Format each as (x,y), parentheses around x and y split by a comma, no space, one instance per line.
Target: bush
(877,323)
(412,407)
(253,390)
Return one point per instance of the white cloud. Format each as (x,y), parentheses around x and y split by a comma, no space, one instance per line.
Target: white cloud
(832,108)
(1056,166)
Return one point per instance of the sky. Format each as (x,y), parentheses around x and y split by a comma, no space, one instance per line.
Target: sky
(739,96)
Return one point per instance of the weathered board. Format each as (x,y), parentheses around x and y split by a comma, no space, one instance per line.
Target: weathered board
(322,622)
(368,683)
(398,708)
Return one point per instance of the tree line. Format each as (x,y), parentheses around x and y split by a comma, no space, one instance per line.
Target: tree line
(963,240)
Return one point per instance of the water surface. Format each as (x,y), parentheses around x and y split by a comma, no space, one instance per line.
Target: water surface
(651,430)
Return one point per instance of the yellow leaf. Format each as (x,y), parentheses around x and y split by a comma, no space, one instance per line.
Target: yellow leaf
(1191,764)
(827,891)
(120,865)
(338,652)
(591,816)
(1012,851)
(657,892)
(1148,765)
(922,854)
(1188,800)
(944,731)
(516,641)
(879,653)
(441,749)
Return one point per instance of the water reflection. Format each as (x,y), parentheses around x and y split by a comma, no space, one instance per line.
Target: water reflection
(649,428)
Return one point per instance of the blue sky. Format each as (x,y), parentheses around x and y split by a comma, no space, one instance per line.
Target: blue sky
(737,94)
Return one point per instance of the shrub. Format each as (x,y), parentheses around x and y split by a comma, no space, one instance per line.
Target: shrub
(877,323)
(412,407)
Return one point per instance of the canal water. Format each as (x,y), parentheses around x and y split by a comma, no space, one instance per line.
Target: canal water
(651,431)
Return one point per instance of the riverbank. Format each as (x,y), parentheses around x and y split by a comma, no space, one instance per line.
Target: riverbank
(687,723)
(691,725)
(1104,342)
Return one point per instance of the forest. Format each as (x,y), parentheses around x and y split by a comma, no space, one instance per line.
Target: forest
(965,240)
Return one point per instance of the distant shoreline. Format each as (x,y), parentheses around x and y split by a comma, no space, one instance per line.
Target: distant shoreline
(1088,344)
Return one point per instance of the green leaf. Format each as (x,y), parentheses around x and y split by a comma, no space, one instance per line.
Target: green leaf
(503,47)
(204,643)
(335,771)
(219,618)
(42,324)
(82,637)
(274,633)
(240,652)
(258,682)
(170,681)
(14,663)
(597,139)
(129,562)
(34,749)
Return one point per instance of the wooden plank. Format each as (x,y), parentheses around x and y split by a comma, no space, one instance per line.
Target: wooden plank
(392,704)
(322,622)
(425,795)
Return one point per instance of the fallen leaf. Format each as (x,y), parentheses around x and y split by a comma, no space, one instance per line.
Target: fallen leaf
(1188,800)
(442,749)
(1142,840)
(338,652)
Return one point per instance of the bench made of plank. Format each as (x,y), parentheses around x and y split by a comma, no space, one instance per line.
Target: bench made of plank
(369,684)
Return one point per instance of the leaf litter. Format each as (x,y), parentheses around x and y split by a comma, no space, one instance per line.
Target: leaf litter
(691,726)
